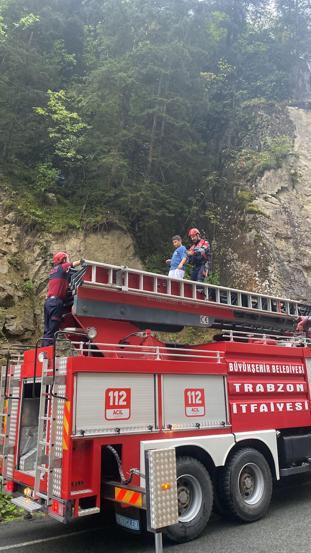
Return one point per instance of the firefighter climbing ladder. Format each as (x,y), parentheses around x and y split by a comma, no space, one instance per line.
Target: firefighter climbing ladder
(50,429)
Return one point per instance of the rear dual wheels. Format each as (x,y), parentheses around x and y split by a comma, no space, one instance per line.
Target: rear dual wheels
(195,500)
(246,488)
(244,492)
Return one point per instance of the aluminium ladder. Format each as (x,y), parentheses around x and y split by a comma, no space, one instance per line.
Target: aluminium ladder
(114,277)
(9,405)
(50,430)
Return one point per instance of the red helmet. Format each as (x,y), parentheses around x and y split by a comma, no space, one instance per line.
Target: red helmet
(193,232)
(59,257)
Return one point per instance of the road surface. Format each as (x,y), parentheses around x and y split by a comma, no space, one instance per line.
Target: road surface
(286,529)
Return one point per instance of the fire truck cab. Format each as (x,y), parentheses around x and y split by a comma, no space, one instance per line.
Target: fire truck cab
(78,417)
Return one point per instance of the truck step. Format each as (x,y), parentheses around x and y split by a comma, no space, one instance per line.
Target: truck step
(27,504)
(90,511)
(306,467)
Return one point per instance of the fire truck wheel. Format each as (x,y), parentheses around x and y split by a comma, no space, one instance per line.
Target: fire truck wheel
(195,500)
(219,506)
(247,485)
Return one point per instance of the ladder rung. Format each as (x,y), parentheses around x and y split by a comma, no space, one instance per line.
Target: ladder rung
(42,495)
(44,442)
(93,274)
(47,373)
(42,468)
(57,379)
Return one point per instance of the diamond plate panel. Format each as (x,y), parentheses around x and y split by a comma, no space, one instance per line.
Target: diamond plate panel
(161,486)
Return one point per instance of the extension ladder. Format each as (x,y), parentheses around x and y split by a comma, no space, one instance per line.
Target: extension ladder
(143,283)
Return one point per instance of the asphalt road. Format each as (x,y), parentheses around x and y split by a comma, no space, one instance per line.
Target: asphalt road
(286,529)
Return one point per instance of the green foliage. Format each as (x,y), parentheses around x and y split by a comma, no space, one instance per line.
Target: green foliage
(253,209)
(45,176)
(188,336)
(214,278)
(66,60)
(155,263)
(246,202)
(253,163)
(2,30)
(245,197)
(66,126)
(8,511)
(27,21)
(135,111)
(29,289)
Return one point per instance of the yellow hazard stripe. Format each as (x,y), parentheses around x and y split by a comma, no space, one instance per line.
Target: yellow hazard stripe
(5,410)
(129,497)
(66,425)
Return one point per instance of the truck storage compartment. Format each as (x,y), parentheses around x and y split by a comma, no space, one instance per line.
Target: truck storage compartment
(294,449)
(109,403)
(194,401)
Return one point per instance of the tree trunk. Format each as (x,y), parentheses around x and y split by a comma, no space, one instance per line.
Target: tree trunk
(153,129)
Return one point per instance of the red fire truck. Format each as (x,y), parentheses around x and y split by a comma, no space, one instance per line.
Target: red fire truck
(78,417)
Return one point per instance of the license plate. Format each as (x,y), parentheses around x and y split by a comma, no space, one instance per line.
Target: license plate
(127,522)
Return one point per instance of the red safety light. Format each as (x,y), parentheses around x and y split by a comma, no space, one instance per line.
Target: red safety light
(55,506)
(9,486)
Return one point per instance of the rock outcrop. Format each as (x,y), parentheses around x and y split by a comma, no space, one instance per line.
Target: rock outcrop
(284,199)
(267,248)
(25,261)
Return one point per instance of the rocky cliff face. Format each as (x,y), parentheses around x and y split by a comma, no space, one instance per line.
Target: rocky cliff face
(25,260)
(284,198)
(267,248)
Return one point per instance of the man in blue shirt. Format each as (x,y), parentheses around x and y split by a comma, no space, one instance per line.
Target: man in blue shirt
(178,259)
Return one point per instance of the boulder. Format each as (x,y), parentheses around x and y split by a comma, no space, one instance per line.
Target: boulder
(19,325)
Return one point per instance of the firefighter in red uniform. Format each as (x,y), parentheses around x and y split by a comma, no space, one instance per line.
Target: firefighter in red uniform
(198,255)
(58,284)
